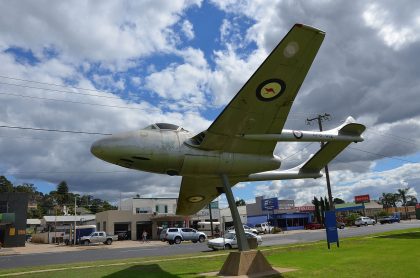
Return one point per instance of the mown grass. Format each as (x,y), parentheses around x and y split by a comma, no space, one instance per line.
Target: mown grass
(392,254)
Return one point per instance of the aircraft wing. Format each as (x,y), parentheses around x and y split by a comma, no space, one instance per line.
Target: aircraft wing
(261,106)
(197,192)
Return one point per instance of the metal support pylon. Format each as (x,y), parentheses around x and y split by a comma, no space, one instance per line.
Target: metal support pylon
(237,223)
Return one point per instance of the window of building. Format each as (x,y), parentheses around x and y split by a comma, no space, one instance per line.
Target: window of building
(104,225)
(161,208)
(98,226)
(3,207)
(144,210)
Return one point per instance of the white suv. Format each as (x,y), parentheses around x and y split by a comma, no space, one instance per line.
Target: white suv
(364,221)
(263,228)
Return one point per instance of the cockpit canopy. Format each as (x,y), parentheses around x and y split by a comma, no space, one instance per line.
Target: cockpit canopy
(165,126)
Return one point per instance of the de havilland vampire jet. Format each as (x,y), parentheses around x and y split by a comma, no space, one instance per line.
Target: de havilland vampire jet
(239,144)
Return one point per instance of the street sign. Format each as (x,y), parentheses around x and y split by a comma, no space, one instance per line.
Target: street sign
(362,199)
(331,228)
(270,204)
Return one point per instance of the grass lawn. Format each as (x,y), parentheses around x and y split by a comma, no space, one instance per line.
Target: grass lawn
(392,254)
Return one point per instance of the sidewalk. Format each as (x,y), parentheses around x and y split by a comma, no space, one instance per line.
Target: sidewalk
(35,248)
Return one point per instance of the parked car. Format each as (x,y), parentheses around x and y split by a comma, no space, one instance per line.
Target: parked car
(229,241)
(340,225)
(389,219)
(246,228)
(263,228)
(313,226)
(97,237)
(363,220)
(177,235)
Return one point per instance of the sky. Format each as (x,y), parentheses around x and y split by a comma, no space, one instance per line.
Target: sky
(105,67)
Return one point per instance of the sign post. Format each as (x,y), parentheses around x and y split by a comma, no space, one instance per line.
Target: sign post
(362,199)
(270,204)
(331,228)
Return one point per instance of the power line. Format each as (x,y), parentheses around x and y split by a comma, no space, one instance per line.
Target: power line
(52,84)
(78,102)
(301,150)
(385,156)
(55,90)
(54,130)
(78,88)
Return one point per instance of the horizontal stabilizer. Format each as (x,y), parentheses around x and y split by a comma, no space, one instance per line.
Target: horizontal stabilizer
(313,166)
(317,162)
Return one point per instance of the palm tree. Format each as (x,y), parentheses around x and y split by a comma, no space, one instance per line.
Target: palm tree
(388,200)
(404,198)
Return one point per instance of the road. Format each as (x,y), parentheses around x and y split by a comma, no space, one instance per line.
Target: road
(14,261)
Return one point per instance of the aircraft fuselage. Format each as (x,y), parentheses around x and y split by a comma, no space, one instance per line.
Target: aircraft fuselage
(165,152)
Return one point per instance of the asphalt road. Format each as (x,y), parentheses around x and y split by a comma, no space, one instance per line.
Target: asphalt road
(14,261)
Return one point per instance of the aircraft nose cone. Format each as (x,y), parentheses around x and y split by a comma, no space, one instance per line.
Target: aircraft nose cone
(97,148)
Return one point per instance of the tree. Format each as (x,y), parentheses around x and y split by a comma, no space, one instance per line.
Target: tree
(5,185)
(338,201)
(240,202)
(388,200)
(403,197)
(322,210)
(315,202)
(62,193)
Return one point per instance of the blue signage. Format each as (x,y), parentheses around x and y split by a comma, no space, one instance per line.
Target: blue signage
(270,204)
(331,228)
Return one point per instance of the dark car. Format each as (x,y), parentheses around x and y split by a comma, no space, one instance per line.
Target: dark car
(340,225)
(389,220)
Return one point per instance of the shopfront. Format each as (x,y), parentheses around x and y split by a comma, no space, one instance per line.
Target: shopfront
(291,221)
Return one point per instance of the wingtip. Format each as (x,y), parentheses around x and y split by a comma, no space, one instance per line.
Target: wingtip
(300,25)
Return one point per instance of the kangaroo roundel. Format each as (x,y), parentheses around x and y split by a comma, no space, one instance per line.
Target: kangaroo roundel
(270,89)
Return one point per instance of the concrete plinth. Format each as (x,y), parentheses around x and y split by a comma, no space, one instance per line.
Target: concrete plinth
(246,263)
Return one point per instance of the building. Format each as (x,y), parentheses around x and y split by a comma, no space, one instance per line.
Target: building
(55,228)
(13,211)
(282,214)
(226,216)
(136,215)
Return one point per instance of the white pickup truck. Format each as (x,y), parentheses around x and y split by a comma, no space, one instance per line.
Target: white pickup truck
(97,237)
(263,228)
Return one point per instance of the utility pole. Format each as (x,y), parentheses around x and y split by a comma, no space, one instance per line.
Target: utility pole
(321,118)
(75,219)
(211,221)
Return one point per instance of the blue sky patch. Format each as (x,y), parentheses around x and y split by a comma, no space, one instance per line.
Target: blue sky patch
(23,56)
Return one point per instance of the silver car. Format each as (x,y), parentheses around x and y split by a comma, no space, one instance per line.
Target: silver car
(176,235)
(229,241)
(363,220)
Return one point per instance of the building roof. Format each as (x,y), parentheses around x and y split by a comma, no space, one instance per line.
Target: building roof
(33,221)
(373,205)
(69,218)
(348,206)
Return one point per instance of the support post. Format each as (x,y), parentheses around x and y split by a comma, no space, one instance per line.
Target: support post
(244,261)
(237,223)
